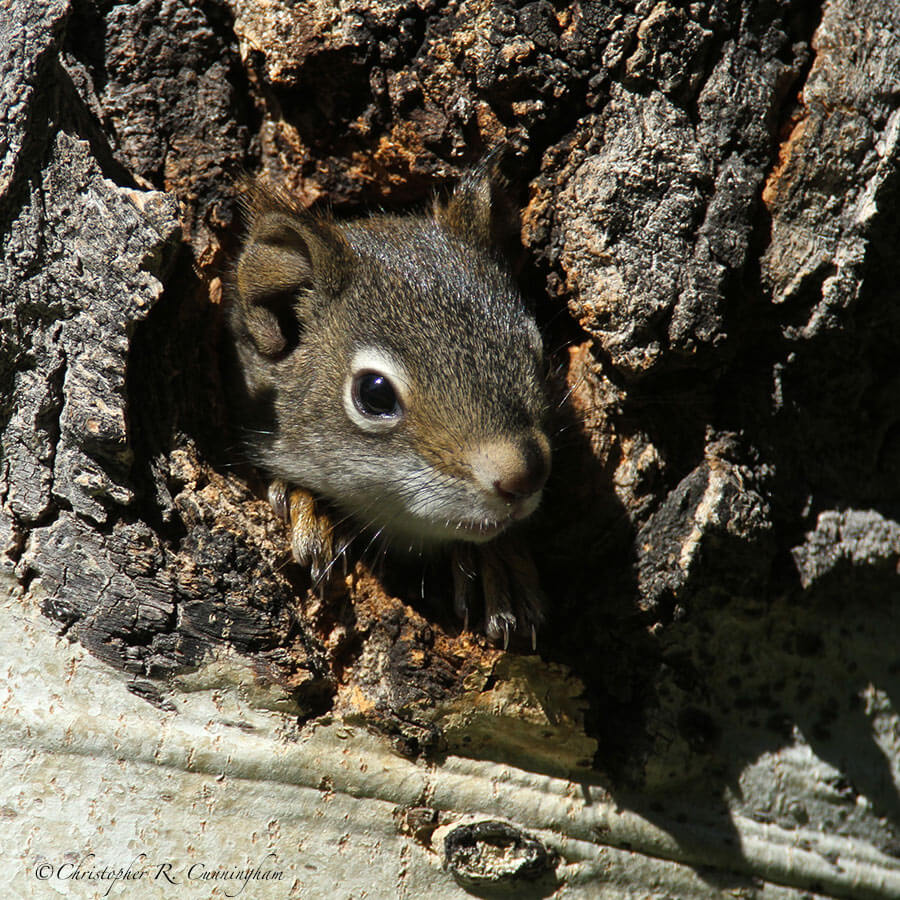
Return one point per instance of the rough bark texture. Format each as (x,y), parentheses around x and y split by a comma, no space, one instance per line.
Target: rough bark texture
(708,198)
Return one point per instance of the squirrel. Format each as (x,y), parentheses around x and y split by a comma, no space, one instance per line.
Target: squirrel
(389,370)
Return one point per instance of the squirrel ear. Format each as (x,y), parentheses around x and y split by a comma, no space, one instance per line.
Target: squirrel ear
(478,211)
(290,260)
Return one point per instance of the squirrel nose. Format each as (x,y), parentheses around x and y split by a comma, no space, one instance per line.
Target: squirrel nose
(513,470)
(528,474)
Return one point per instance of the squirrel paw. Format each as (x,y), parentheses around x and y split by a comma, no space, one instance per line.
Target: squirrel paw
(313,542)
(509,583)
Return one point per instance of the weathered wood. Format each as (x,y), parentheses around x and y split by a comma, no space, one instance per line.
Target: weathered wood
(708,199)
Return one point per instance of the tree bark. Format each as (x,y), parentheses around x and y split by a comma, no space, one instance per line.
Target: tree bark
(708,201)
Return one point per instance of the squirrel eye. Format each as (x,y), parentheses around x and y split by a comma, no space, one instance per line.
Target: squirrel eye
(374,395)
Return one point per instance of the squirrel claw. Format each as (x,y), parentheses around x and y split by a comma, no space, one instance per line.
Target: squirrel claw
(278,499)
(312,532)
(512,592)
(509,581)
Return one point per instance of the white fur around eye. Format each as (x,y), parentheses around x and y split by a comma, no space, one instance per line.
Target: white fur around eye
(379,361)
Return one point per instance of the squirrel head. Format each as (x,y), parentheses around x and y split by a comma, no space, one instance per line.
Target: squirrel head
(390,366)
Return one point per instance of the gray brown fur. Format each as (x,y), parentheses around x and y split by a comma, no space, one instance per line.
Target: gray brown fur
(428,290)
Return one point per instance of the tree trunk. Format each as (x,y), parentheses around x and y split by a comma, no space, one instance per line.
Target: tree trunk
(708,198)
